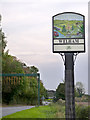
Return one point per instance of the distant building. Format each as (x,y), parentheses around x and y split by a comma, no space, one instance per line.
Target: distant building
(51,93)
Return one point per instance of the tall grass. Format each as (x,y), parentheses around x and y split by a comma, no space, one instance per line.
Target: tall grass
(59,106)
(83,111)
(53,110)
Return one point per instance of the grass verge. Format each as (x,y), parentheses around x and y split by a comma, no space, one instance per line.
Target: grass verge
(54,110)
(49,111)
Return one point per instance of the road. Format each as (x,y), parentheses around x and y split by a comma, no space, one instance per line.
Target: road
(10,110)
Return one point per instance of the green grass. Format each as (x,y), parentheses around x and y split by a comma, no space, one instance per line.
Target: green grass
(54,110)
(37,112)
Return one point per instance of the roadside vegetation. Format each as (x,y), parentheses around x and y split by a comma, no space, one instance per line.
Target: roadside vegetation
(53,110)
(49,111)
(22,90)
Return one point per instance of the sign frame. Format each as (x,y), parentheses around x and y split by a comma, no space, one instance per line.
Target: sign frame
(64,51)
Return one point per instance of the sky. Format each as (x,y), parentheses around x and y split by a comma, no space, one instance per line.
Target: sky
(27,25)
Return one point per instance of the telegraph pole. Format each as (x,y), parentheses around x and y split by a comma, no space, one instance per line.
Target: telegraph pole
(69,86)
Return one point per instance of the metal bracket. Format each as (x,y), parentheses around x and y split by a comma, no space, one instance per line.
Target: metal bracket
(63,57)
(75,56)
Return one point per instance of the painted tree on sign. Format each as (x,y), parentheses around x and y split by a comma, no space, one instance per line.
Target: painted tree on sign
(72,27)
(82,29)
(64,28)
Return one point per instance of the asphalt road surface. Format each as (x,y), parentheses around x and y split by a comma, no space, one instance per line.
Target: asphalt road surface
(10,110)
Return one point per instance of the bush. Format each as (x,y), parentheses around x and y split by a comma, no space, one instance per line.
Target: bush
(58,108)
(82,99)
(61,102)
(82,111)
(20,93)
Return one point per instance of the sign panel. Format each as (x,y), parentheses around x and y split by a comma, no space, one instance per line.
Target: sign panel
(68,32)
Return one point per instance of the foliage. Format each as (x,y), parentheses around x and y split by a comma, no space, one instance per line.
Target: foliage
(82,29)
(10,64)
(27,91)
(53,110)
(82,112)
(43,91)
(3,42)
(76,92)
(33,69)
(80,89)
(64,28)
(24,92)
(60,91)
(72,27)
(82,99)
(50,111)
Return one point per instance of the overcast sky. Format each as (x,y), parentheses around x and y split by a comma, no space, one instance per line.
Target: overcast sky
(28,28)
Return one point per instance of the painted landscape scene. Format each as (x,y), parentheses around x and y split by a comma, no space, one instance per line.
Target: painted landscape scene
(68,26)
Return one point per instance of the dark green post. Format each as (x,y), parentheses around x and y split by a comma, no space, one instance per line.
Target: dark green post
(69,87)
(38,89)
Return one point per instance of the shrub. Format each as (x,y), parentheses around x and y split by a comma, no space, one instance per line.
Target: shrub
(61,102)
(82,99)
(82,111)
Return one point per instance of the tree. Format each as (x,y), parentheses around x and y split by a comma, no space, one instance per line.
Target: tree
(82,29)
(60,91)
(10,64)
(26,90)
(3,42)
(80,89)
(72,27)
(33,69)
(43,91)
(64,28)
